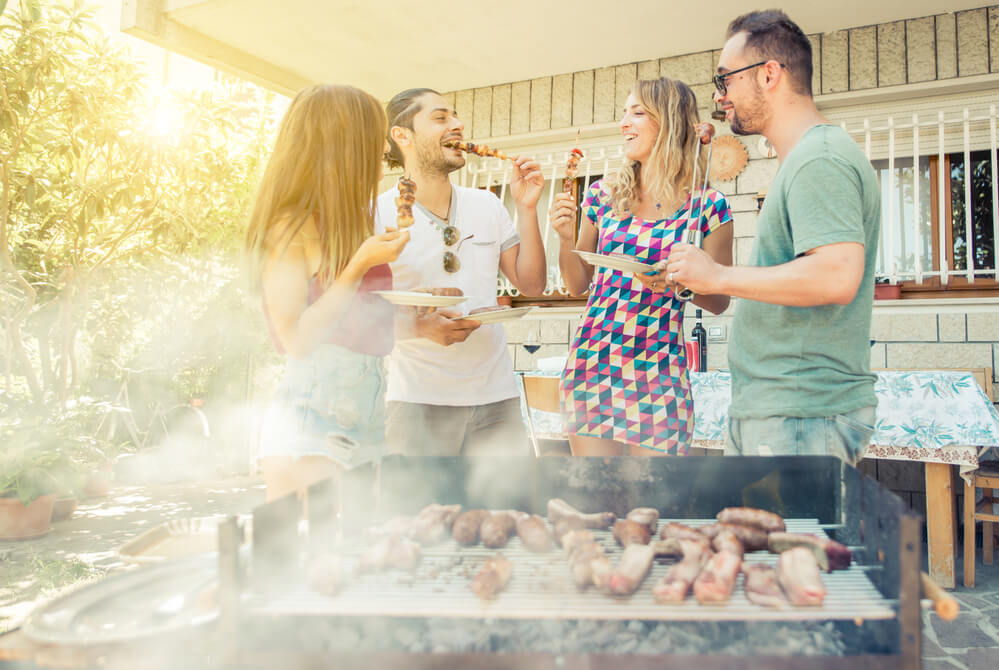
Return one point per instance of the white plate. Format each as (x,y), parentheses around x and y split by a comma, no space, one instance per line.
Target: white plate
(615,262)
(420,299)
(497,315)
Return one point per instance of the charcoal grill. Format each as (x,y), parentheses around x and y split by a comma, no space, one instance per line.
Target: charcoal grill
(269,617)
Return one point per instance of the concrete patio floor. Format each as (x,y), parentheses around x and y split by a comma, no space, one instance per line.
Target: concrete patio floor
(83,548)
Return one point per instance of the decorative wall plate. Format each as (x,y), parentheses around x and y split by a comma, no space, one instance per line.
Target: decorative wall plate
(728,158)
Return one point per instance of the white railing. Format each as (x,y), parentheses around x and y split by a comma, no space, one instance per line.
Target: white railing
(492,173)
(906,249)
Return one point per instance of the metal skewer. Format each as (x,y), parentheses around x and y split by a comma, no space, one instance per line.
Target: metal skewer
(692,235)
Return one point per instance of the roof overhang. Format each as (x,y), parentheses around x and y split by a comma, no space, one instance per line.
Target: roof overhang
(385,46)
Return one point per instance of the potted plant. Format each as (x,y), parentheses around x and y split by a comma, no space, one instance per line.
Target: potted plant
(35,467)
(883,290)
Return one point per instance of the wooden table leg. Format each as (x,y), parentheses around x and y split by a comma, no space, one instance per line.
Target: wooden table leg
(941,528)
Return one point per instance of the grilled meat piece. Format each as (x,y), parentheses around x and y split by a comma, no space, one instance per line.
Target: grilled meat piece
(576,538)
(717,578)
(647,516)
(496,529)
(587,563)
(750,516)
(433,522)
(830,554)
(679,532)
(465,529)
(726,540)
(630,532)
(560,509)
(477,149)
(391,552)
(492,577)
(630,571)
(326,574)
(534,534)
(753,539)
(798,574)
(566,525)
(571,168)
(675,585)
(761,585)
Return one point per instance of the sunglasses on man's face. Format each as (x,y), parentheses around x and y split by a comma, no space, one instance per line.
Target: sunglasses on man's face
(719,79)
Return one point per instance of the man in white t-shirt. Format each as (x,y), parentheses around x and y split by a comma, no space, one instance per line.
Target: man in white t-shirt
(451,387)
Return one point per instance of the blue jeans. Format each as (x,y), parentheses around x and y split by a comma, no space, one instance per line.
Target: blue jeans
(843,435)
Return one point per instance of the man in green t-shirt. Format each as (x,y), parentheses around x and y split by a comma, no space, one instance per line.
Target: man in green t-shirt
(800,350)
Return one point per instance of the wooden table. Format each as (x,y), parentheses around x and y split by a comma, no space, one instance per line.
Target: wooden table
(939,418)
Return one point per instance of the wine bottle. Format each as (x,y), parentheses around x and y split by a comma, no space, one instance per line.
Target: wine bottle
(700,336)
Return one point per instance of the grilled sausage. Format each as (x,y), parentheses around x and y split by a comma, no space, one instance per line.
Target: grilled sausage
(829,554)
(496,529)
(679,531)
(750,516)
(465,529)
(534,534)
(753,539)
(726,540)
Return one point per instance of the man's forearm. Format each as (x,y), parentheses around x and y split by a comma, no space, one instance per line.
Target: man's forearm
(807,281)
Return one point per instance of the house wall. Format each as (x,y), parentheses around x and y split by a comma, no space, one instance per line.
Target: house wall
(910,61)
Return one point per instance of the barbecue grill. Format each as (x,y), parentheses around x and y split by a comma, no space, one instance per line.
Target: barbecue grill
(430,618)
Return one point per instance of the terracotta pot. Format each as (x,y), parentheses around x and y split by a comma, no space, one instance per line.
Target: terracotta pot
(887,291)
(505,300)
(24,522)
(63,508)
(98,484)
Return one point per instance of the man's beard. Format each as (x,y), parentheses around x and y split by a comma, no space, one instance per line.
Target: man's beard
(432,161)
(752,118)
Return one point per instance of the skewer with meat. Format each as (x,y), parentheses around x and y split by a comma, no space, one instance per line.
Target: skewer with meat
(675,585)
(755,518)
(492,577)
(829,554)
(534,534)
(647,516)
(571,168)
(761,585)
(716,581)
(404,203)
(798,574)
(477,149)
(630,532)
(753,539)
(560,509)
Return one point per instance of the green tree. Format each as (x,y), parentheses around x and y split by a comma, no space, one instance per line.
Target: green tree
(94,199)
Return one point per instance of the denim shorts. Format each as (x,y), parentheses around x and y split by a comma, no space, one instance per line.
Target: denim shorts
(843,435)
(330,404)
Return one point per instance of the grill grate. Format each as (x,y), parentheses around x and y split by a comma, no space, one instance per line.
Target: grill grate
(542,589)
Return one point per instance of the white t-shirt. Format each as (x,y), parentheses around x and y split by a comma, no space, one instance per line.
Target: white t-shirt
(479,370)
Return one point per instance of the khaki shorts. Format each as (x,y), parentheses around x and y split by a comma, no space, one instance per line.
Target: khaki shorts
(445,430)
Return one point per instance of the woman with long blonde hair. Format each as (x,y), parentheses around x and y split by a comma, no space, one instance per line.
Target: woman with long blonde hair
(625,388)
(317,258)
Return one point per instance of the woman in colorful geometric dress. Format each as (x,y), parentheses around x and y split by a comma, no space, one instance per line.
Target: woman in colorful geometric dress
(625,389)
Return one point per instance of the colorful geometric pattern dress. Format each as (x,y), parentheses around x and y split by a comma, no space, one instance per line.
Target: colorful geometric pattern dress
(626,375)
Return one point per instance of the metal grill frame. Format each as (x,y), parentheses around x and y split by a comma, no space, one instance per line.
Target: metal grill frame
(855,509)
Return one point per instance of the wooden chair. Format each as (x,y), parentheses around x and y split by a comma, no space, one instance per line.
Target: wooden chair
(540,393)
(986,478)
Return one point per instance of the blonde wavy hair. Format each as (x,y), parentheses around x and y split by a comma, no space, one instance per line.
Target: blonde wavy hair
(671,104)
(326,164)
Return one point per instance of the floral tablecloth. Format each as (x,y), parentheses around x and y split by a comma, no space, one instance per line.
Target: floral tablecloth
(940,417)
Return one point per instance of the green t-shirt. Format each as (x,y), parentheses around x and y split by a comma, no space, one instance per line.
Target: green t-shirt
(810,361)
